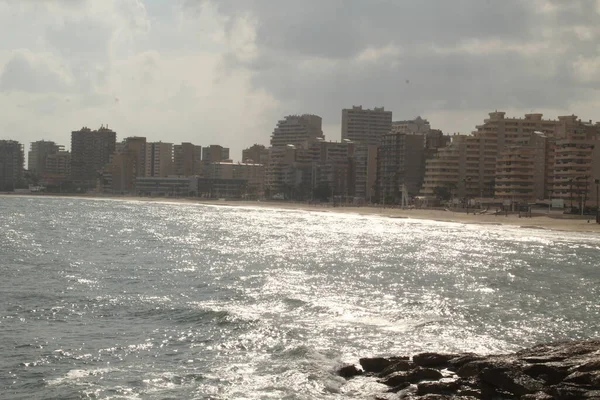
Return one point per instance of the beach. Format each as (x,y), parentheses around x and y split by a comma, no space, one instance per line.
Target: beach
(556,222)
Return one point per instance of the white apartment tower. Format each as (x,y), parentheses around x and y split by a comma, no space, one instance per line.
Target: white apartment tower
(296,130)
(364,126)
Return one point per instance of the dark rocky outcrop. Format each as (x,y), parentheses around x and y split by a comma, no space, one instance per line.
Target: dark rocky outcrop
(348,371)
(562,371)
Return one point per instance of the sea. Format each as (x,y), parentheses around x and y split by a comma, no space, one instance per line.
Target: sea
(111,299)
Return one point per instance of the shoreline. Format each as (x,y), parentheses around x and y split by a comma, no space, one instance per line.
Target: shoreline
(536,222)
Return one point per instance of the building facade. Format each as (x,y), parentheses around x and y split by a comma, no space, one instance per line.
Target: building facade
(257,154)
(90,152)
(296,130)
(400,164)
(187,159)
(58,168)
(215,153)
(417,126)
(38,153)
(12,160)
(159,159)
(521,170)
(365,126)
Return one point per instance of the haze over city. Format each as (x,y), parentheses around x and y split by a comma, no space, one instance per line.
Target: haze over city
(226,71)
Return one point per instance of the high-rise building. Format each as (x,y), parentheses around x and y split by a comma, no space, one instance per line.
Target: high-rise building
(187,159)
(412,126)
(90,152)
(126,164)
(364,126)
(215,153)
(257,154)
(365,171)
(137,146)
(400,164)
(296,130)
(576,167)
(159,159)
(516,159)
(12,159)
(521,170)
(38,152)
(58,168)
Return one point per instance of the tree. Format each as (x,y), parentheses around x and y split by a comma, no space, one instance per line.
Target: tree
(322,192)
(442,192)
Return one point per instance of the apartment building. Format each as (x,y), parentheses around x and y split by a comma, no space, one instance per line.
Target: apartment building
(252,174)
(159,159)
(445,169)
(417,126)
(400,164)
(58,168)
(257,154)
(90,152)
(215,153)
(296,130)
(576,167)
(38,153)
(521,170)
(187,159)
(365,126)
(12,159)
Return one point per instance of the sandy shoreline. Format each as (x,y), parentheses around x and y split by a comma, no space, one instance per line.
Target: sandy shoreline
(541,221)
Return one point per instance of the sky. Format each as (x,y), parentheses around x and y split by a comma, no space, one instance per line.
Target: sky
(225,71)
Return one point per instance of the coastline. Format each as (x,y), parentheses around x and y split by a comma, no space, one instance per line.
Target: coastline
(539,221)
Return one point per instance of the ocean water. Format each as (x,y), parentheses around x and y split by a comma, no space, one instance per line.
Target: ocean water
(133,300)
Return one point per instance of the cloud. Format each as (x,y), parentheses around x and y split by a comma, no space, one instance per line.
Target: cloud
(28,72)
(224,71)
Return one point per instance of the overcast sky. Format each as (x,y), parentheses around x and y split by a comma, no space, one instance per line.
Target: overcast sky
(225,71)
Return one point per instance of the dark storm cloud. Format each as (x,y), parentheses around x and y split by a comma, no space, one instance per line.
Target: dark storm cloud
(456,55)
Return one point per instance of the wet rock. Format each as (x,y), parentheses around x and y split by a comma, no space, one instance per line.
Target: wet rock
(378,364)
(424,374)
(593,365)
(437,388)
(511,381)
(433,360)
(348,371)
(460,360)
(537,396)
(399,387)
(562,371)
(551,373)
(591,378)
(414,376)
(399,366)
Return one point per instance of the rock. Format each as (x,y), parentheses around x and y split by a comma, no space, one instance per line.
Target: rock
(395,379)
(349,371)
(458,361)
(511,381)
(433,360)
(537,396)
(424,374)
(398,367)
(593,365)
(437,388)
(474,368)
(561,371)
(378,364)
(591,378)
(551,373)
(399,387)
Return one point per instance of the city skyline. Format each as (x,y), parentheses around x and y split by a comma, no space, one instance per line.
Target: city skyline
(186,67)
